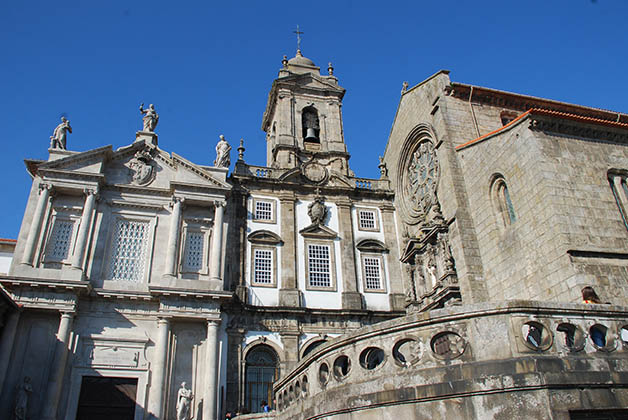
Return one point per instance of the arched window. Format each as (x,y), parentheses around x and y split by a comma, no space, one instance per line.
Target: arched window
(310,348)
(262,369)
(310,124)
(502,201)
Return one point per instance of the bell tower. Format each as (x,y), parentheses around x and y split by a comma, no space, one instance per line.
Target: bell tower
(303,117)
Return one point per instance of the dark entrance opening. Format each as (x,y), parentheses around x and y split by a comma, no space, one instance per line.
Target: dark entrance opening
(598,414)
(107,398)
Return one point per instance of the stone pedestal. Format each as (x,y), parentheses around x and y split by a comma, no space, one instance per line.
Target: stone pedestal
(351,300)
(148,137)
(290,297)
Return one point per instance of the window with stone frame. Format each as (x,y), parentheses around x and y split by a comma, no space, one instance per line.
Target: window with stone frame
(128,250)
(502,202)
(264,211)
(263,266)
(194,258)
(373,278)
(60,242)
(619,188)
(320,265)
(368,220)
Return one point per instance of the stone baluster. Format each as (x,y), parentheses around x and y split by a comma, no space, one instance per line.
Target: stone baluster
(86,224)
(57,370)
(216,245)
(211,370)
(158,367)
(173,238)
(36,222)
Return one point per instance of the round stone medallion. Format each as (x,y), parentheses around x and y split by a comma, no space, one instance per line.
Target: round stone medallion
(315,172)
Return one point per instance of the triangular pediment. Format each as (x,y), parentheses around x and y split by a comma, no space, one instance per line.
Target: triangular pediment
(311,80)
(318,232)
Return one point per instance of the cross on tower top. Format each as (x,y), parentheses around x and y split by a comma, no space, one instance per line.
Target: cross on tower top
(299,33)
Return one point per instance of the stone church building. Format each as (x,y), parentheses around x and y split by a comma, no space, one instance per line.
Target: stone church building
(145,286)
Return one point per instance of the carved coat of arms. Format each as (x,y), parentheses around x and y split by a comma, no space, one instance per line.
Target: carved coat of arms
(142,170)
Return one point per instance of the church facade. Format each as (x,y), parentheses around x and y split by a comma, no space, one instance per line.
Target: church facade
(152,287)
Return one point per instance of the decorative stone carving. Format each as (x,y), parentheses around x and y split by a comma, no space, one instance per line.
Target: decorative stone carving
(184,403)
(422,177)
(21,399)
(223,153)
(58,140)
(150,119)
(383,170)
(431,269)
(317,211)
(315,172)
(410,290)
(448,259)
(142,170)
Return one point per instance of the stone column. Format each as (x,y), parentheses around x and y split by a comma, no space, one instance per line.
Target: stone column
(86,224)
(211,370)
(158,370)
(235,375)
(351,297)
(57,370)
(173,238)
(6,345)
(216,250)
(395,279)
(38,218)
(288,294)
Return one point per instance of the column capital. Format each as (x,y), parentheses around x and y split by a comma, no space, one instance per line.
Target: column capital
(163,319)
(68,314)
(387,208)
(344,202)
(44,186)
(287,196)
(91,191)
(220,203)
(211,322)
(174,200)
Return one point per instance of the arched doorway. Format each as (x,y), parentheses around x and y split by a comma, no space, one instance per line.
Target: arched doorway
(262,369)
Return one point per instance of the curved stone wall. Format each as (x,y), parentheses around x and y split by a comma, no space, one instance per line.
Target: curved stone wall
(512,360)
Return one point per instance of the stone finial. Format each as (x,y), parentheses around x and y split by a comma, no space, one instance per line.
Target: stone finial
(150,118)
(58,140)
(284,62)
(241,150)
(404,87)
(330,69)
(223,153)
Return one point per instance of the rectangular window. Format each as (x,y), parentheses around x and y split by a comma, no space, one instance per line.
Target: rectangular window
(61,240)
(372,273)
(367,220)
(319,266)
(263,266)
(263,211)
(194,251)
(129,248)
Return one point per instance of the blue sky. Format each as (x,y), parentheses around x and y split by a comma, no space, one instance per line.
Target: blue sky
(208,67)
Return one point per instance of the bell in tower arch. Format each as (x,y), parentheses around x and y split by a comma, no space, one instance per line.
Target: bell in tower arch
(311,127)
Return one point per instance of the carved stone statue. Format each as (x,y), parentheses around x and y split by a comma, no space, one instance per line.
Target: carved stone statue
(447,257)
(409,284)
(184,403)
(59,136)
(21,399)
(150,119)
(317,211)
(431,269)
(223,153)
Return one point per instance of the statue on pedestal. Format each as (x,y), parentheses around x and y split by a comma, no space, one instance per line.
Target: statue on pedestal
(223,153)
(184,403)
(21,399)
(59,136)
(150,119)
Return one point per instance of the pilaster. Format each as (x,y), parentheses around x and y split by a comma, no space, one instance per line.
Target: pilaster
(173,237)
(156,394)
(397,297)
(351,297)
(36,222)
(211,370)
(289,295)
(57,370)
(216,244)
(86,225)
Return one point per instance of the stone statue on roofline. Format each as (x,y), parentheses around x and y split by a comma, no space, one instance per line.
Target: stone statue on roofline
(58,140)
(150,118)
(223,153)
